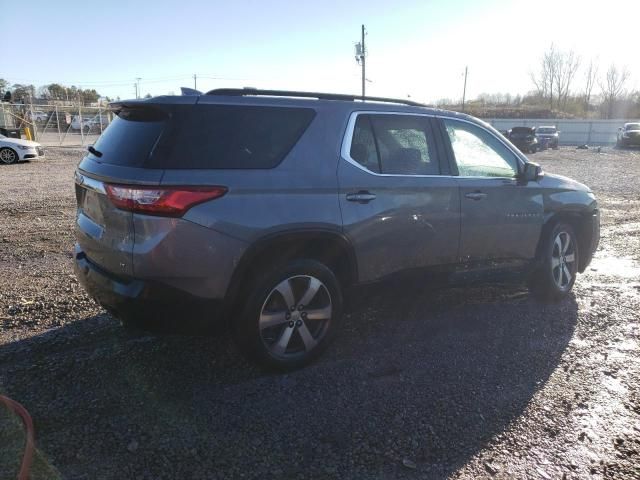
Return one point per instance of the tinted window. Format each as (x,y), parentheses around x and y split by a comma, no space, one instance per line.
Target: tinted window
(363,146)
(478,153)
(403,144)
(231,136)
(394,144)
(130,137)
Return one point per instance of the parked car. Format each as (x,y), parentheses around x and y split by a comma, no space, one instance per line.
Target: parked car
(524,138)
(266,208)
(38,116)
(13,150)
(89,123)
(628,135)
(549,135)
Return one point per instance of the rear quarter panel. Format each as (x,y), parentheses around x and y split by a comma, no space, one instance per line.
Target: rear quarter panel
(300,193)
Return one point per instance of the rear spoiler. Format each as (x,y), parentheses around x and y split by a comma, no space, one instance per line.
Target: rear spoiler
(190,91)
(163,102)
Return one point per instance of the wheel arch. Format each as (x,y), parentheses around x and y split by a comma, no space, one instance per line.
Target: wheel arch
(329,247)
(582,226)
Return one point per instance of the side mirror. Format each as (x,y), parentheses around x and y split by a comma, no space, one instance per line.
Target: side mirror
(531,172)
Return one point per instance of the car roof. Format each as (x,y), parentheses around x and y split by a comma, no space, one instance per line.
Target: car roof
(347,103)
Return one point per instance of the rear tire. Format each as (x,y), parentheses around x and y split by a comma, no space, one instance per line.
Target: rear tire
(558,264)
(8,156)
(292,313)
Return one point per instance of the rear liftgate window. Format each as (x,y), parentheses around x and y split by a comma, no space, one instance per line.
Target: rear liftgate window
(231,137)
(130,137)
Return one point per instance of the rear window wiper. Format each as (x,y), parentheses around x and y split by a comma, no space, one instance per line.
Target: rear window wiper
(94,151)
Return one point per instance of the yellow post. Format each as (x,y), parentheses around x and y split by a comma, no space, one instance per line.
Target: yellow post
(27,133)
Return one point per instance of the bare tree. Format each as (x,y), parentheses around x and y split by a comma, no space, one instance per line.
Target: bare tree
(555,76)
(544,78)
(567,64)
(613,86)
(591,74)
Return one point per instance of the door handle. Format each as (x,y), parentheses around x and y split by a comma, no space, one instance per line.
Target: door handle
(361,197)
(475,195)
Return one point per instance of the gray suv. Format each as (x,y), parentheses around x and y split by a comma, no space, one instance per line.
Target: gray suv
(265,208)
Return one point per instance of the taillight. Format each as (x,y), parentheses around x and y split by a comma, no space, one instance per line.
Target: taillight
(164,201)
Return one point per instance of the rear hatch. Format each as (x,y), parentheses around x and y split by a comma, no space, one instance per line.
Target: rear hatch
(522,133)
(104,232)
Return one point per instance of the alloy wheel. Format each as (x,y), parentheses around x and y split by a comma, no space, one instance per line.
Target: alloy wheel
(563,259)
(295,316)
(7,156)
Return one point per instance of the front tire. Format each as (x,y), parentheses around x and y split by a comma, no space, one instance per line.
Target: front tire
(8,156)
(556,273)
(291,315)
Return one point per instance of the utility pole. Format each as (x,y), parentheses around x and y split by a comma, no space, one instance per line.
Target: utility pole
(464,89)
(135,86)
(364,54)
(138,87)
(195,85)
(361,53)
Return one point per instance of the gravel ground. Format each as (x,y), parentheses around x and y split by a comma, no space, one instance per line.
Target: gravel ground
(423,382)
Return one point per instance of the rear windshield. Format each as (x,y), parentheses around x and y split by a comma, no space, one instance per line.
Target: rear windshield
(205,137)
(525,130)
(546,130)
(633,126)
(130,137)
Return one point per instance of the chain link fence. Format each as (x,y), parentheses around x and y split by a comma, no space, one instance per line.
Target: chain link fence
(56,125)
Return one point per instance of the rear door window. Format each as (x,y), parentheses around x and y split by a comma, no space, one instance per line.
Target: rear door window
(404,145)
(231,137)
(394,144)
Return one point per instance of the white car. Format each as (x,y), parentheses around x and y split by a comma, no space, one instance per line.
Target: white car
(38,116)
(94,124)
(13,150)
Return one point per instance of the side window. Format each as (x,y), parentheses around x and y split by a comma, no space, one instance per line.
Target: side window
(478,153)
(230,137)
(394,144)
(405,145)
(363,145)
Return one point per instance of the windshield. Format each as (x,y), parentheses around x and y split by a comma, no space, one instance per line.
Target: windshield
(633,126)
(546,130)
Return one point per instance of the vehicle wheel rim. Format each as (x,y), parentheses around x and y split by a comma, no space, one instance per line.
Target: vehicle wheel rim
(563,259)
(7,156)
(295,317)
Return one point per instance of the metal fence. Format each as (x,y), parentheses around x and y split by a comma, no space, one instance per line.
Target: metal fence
(56,125)
(572,132)
(64,125)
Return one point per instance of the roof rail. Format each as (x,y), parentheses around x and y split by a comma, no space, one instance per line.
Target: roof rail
(240,92)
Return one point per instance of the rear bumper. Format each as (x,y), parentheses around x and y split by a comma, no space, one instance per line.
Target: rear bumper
(143,302)
(524,145)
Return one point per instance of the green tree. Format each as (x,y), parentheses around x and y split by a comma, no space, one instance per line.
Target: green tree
(23,92)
